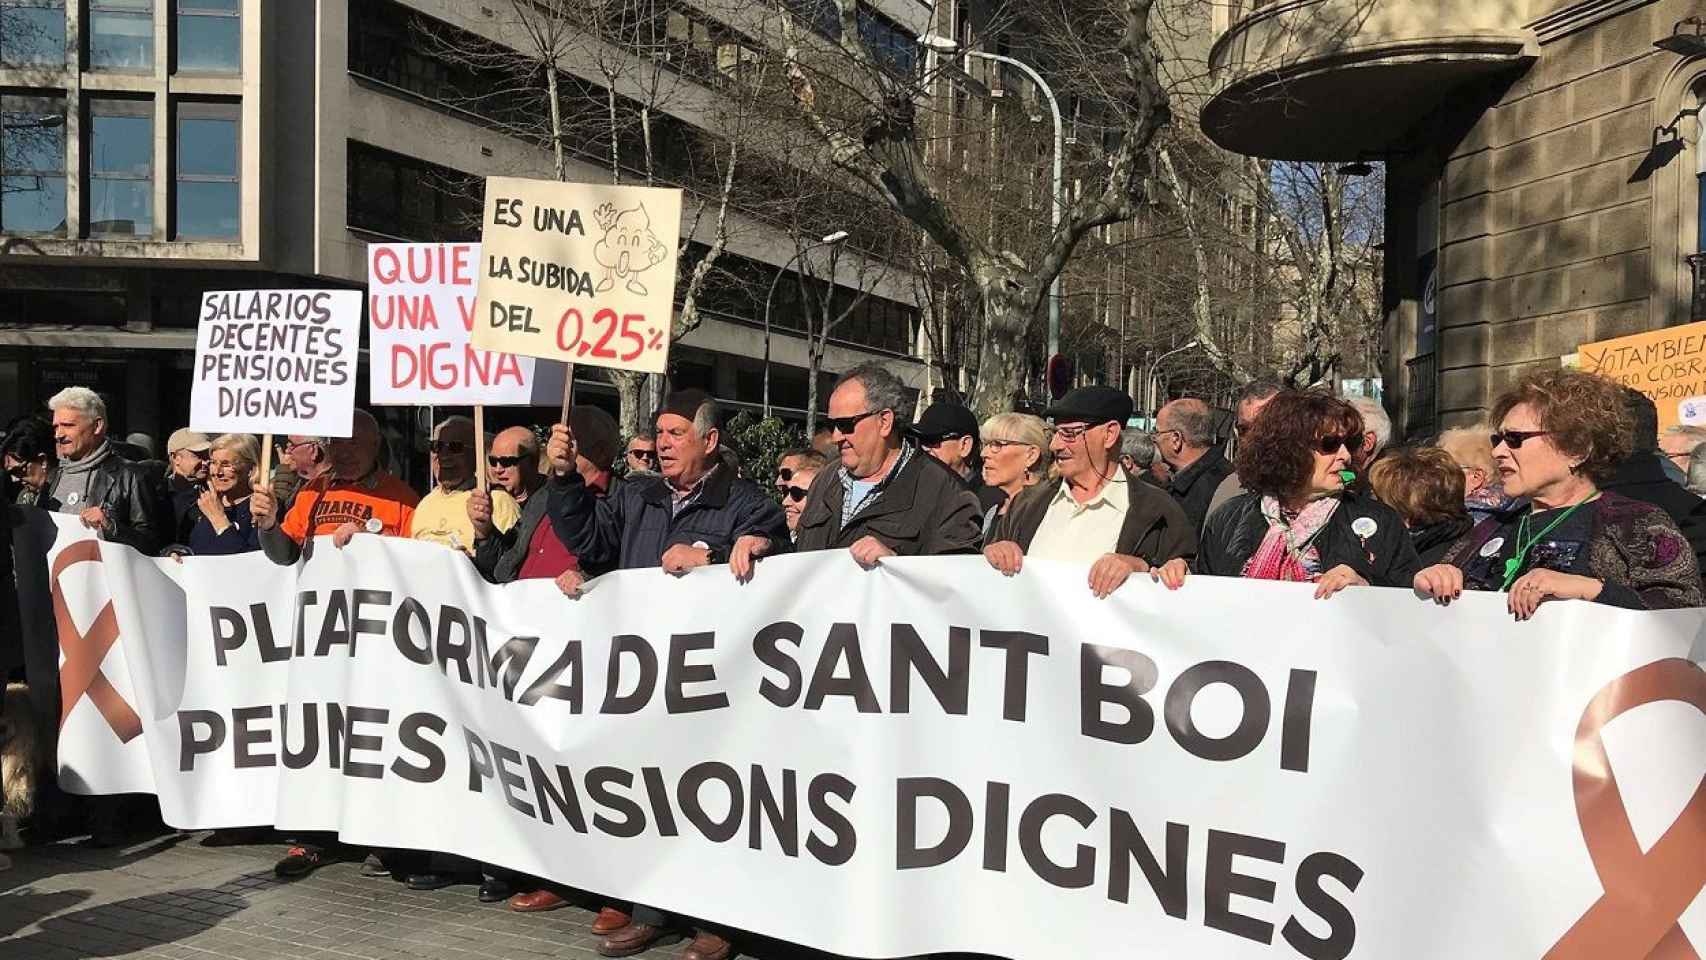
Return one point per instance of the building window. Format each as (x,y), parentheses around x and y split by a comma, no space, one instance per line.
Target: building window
(121,34)
(121,168)
(210,36)
(404,198)
(32,33)
(32,165)
(208,198)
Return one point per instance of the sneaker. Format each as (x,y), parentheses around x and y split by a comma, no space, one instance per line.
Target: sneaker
(299,862)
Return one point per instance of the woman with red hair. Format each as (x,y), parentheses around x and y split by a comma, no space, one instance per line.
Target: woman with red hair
(1300,518)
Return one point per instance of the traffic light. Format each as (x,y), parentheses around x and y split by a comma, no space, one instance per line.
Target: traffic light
(1059,376)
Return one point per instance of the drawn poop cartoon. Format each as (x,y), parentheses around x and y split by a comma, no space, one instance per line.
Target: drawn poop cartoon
(629,247)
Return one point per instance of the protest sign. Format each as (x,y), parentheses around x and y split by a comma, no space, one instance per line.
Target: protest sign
(1667,365)
(276,361)
(930,757)
(420,311)
(578,272)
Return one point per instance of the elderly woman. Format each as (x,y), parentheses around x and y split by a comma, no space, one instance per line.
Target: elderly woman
(30,460)
(1298,520)
(1425,485)
(223,526)
(1483,492)
(1015,456)
(1560,435)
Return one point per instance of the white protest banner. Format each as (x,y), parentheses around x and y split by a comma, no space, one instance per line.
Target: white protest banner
(578,272)
(420,312)
(276,361)
(930,757)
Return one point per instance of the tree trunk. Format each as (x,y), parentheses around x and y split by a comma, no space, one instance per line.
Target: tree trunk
(631,400)
(559,162)
(1008,309)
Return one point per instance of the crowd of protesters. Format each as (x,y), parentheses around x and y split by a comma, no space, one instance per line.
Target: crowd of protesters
(1569,491)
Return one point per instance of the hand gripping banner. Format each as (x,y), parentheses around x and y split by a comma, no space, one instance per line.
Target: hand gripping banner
(1645,893)
(83,651)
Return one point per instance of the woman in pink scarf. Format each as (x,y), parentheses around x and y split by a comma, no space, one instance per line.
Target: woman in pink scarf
(1303,518)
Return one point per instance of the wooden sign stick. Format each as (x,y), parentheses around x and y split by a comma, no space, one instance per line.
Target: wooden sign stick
(266,460)
(568,391)
(480,447)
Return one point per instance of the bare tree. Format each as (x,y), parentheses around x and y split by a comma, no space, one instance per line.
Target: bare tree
(865,115)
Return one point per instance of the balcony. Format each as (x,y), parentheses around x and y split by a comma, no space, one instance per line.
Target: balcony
(1342,79)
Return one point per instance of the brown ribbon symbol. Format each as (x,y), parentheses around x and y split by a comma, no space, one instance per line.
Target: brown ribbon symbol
(1645,893)
(81,673)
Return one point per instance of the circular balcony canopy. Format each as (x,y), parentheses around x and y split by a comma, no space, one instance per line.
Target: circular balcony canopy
(1346,104)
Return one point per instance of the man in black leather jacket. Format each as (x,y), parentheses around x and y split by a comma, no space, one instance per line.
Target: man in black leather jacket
(110,495)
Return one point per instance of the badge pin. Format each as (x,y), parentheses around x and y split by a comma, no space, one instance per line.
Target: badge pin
(374,526)
(73,498)
(1364,527)
(1492,547)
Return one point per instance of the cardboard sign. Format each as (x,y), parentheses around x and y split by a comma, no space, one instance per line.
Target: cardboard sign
(420,312)
(1668,365)
(276,361)
(578,272)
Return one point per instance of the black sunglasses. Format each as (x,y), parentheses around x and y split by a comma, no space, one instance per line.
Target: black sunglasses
(796,494)
(1330,444)
(504,462)
(650,456)
(845,425)
(1515,438)
(442,447)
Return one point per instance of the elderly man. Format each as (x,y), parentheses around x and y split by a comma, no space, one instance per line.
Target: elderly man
(1184,433)
(1249,402)
(1677,444)
(354,496)
(443,516)
(186,459)
(1641,476)
(304,461)
(949,432)
(693,513)
(597,441)
(530,550)
(1099,514)
(111,497)
(641,455)
(1376,432)
(888,497)
(795,471)
(1140,457)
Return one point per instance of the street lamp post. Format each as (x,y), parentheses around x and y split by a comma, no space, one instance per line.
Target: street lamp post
(947,45)
(829,241)
(1154,368)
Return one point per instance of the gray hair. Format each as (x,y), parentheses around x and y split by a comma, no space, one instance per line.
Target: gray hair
(1259,389)
(1697,470)
(706,418)
(1373,418)
(1697,434)
(1138,445)
(241,444)
(1193,419)
(86,402)
(459,421)
(883,391)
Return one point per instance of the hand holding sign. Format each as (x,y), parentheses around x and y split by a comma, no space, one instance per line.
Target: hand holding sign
(583,273)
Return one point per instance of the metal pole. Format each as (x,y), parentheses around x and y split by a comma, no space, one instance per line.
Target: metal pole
(1059,155)
(765,406)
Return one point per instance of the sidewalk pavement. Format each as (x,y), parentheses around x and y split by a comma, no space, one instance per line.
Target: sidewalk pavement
(172,898)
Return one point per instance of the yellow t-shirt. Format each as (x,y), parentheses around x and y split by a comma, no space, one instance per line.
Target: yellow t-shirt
(442,517)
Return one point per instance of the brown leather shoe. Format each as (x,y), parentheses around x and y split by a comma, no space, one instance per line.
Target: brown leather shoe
(608,921)
(631,939)
(536,902)
(707,946)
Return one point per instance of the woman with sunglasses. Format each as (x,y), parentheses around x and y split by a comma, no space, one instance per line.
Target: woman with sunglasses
(1300,519)
(1560,435)
(30,462)
(222,525)
(1015,458)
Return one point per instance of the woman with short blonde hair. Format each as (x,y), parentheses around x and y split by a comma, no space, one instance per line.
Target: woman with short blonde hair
(223,526)
(1015,456)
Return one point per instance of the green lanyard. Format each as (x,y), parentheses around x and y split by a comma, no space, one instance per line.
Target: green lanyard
(1513,566)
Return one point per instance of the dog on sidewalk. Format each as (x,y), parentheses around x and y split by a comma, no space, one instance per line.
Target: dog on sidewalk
(19,749)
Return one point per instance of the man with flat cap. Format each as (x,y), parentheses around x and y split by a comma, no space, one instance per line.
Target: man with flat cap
(1099,514)
(949,432)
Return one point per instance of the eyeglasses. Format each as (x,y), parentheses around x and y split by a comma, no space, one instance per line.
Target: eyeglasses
(1330,444)
(1003,444)
(795,494)
(1070,432)
(198,454)
(845,425)
(650,456)
(944,438)
(504,462)
(291,446)
(17,472)
(442,447)
(1515,438)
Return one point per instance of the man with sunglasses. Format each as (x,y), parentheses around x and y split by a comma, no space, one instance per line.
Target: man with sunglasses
(1099,514)
(642,453)
(888,497)
(442,516)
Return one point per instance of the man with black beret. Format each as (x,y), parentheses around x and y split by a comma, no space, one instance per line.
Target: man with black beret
(949,432)
(1099,514)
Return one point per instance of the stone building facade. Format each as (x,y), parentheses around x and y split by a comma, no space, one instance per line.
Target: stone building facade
(1543,158)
